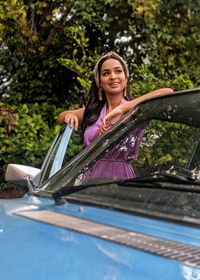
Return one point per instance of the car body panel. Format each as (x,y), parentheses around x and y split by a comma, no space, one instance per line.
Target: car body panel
(43,251)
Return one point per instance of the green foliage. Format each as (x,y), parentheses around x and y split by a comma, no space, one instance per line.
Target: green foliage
(80,63)
(24,134)
(144,80)
(169,39)
(35,34)
(165,144)
(75,145)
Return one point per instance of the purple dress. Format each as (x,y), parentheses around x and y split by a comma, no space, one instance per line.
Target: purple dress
(116,163)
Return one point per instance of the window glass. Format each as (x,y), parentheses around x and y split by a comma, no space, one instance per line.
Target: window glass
(152,148)
(65,147)
(165,146)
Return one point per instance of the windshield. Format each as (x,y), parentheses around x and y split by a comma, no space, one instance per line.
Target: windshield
(160,137)
(150,149)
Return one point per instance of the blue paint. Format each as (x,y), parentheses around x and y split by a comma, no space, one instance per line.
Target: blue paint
(32,250)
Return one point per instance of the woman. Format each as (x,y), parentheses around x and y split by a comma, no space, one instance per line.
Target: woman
(110,98)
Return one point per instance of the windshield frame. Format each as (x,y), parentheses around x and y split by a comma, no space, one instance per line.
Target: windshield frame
(156,108)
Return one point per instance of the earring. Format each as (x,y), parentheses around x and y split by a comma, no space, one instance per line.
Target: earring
(125,90)
(100,94)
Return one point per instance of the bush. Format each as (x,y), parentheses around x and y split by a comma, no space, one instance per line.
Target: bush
(25,134)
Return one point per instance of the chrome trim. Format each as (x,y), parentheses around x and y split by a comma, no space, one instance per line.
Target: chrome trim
(185,253)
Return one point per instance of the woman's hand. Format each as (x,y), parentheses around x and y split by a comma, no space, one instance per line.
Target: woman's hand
(112,117)
(72,120)
(72,117)
(102,129)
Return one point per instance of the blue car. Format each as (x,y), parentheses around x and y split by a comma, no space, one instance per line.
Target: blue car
(145,227)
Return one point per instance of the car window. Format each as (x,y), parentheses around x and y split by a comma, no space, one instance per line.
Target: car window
(64,147)
(163,146)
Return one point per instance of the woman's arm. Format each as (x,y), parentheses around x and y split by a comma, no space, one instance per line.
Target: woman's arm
(72,117)
(117,113)
(130,104)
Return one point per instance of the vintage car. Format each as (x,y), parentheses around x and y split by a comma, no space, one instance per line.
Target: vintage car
(145,227)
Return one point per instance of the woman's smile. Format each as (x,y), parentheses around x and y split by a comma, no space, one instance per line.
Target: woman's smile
(114,84)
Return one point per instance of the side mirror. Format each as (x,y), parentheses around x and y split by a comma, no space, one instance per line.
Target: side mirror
(22,175)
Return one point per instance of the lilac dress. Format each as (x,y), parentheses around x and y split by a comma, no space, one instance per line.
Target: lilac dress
(116,163)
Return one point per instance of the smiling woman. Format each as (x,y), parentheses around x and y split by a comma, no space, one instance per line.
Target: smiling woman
(109,91)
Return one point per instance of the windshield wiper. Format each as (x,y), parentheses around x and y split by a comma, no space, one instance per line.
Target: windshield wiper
(165,180)
(64,191)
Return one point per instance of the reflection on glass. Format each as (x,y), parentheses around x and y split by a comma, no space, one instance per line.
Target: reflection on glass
(149,149)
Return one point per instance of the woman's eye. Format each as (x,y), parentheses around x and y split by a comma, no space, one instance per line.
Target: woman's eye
(105,73)
(118,71)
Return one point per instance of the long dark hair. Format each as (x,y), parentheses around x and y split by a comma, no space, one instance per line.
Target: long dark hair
(94,105)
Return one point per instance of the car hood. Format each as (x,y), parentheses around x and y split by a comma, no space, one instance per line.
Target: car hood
(38,249)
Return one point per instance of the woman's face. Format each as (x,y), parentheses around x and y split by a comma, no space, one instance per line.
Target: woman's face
(112,77)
